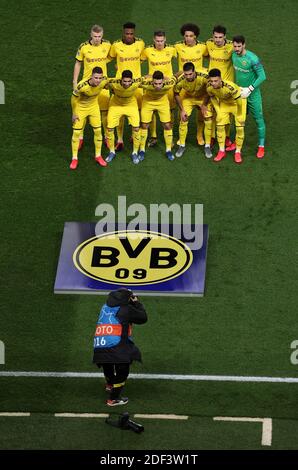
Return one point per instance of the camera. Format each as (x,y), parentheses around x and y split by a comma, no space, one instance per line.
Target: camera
(125,423)
(133,298)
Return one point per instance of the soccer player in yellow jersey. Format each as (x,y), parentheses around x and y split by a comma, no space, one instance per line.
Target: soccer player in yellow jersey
(226,99)
(94,53)
(192,50)
(127,53)
(124,103)
(84,103)
(159,57)
(156,99)
(220,51)
(195,95)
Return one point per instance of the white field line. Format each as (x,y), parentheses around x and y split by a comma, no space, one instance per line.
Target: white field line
(266,422)
(100,415)
(266,426)
(81,415)
(177,417)
(105,415)
(212,378)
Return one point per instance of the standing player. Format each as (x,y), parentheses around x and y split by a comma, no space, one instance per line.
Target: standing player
(193,85)
(159,57)
(192,50)
(92,53)
(124,103)
(156,99)
(127,53)
(84,103)
(220,51)
(249,74)
(226,100)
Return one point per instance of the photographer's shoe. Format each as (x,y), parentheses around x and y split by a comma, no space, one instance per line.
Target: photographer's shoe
(108,387)
(118,401)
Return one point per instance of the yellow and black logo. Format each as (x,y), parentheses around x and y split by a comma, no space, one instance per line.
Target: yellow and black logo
(133,257)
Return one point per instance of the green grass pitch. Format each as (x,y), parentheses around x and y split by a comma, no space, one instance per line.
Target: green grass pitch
(247,320)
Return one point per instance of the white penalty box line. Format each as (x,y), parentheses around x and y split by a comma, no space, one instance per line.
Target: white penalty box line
(266,426)
(266,422)
(212,378)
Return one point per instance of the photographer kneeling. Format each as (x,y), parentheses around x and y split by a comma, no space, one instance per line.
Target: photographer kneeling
(114,349)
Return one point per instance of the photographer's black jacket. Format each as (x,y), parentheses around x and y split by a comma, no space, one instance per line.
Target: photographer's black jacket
(126,351)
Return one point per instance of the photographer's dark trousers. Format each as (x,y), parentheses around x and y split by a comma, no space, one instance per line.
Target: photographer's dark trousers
(115,375)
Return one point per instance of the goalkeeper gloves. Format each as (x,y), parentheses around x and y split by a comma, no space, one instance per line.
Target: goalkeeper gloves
(245,92)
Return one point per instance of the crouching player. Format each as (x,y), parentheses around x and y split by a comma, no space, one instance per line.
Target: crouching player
(156,99)
(193,84)
(123,103)
(84,103)
(226,100)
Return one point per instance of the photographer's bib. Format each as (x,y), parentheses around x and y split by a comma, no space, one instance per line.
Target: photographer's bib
(108,328)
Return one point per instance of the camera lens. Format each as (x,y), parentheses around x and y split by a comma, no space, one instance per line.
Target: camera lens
(135,426)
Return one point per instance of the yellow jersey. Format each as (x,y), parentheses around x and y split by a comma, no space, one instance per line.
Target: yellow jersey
(93,56)
(123,96)
(229,92)
(221,58)
(128,56)
(160,59)
(194,89)
(86,94)
(151,93)
(192,54)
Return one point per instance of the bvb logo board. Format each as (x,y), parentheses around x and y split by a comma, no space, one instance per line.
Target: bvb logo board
(133,257)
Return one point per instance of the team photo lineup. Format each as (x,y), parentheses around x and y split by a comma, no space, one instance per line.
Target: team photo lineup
(219,78)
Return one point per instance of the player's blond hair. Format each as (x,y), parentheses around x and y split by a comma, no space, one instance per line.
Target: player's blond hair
(96,29)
